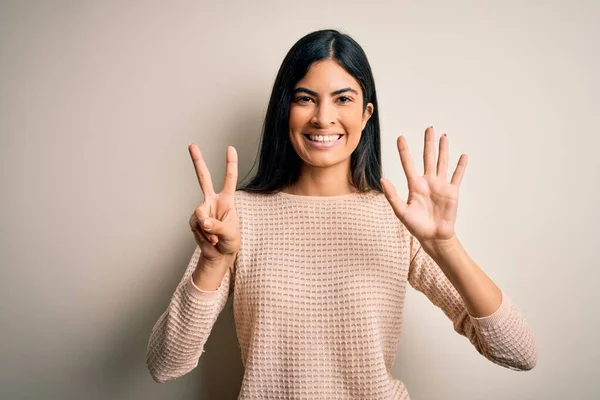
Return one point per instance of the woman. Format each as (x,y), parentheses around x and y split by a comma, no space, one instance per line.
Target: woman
(317,248)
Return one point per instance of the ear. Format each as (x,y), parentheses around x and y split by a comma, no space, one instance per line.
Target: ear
(367,114)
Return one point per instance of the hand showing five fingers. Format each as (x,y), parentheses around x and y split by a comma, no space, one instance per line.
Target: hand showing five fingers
(215,223)
(430,210)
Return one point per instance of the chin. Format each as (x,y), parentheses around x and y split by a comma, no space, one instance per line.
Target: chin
(324,160)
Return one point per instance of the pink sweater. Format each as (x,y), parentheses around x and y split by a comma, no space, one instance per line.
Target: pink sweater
(318,294)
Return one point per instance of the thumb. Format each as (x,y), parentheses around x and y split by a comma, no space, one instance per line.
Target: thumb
(213,226)
(397,203)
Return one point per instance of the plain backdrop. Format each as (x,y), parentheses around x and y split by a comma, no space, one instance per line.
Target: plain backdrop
(100,99)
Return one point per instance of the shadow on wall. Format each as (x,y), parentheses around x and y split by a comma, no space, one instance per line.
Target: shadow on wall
(121,372)
(221,364)
(222,369)
(118,369)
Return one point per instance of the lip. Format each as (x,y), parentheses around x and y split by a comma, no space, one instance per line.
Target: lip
(323,145)
(323,133)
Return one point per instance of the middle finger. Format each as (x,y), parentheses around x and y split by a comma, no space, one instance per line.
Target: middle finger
(429,152)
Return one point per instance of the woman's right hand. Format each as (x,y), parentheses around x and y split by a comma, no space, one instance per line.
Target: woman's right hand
(215,223)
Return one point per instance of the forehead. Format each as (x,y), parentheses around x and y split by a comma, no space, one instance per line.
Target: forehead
(327,76)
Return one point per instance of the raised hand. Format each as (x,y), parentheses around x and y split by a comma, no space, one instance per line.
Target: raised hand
(430,210)
(215,222)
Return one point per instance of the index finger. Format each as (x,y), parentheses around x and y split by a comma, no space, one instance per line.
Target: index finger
(231,171)
(406,159)
(202,171)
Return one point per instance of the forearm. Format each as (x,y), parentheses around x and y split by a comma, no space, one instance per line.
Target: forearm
(208,275)
(178,337)
(479,293)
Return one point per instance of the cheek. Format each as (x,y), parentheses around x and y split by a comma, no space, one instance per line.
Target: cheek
(296,125)
(353,122)
(298,118)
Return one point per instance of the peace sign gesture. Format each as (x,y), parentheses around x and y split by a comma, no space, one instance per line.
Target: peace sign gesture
(215,222)
(430,211)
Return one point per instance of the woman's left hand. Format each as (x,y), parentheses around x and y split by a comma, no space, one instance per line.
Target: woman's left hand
(430,211)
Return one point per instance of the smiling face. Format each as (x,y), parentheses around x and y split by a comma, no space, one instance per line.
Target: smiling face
(327,116)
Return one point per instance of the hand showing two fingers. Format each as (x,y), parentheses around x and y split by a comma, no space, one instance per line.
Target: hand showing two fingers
(215,223)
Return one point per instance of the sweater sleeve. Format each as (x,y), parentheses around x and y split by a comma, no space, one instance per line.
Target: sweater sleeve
(502,337)
(177,339)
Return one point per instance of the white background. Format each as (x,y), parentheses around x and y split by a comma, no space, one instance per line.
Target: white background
(99,100)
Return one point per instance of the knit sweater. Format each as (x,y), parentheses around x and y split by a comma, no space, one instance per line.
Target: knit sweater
(318,289)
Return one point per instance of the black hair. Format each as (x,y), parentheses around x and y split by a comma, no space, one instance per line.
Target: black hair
(278,163)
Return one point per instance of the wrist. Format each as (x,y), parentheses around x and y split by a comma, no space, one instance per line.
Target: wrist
(215,263)
(209,274)
(441,248)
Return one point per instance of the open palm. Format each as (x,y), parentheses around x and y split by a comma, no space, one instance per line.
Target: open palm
(430,210)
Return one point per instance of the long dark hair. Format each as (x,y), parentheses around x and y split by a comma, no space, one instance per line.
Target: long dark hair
(278,163)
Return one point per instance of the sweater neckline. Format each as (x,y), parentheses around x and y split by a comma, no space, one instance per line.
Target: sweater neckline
(321,198)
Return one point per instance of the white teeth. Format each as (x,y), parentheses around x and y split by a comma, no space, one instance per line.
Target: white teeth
(329,138)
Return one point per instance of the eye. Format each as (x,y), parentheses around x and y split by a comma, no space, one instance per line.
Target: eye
(302,99)
(345,99)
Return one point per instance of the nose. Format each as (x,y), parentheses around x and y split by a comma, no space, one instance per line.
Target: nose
(325,115)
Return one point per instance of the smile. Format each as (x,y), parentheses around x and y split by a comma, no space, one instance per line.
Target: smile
(322,141)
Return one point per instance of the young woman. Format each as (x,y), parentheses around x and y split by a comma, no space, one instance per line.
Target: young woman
(317,249)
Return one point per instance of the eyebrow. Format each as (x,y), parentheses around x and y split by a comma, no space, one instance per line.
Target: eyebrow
(313,93)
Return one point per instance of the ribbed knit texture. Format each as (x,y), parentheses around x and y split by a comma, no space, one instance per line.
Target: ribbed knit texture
(318,295)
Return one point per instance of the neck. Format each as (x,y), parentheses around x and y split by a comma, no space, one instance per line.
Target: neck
(330,181)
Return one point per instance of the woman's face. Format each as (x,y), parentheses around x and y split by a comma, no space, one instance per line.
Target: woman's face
(326,115)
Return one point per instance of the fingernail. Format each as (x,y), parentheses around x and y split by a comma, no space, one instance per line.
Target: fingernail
(207,224)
